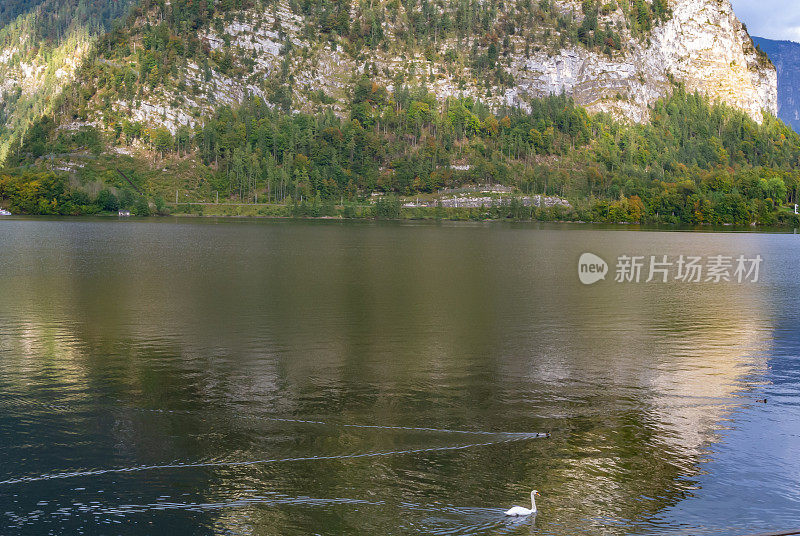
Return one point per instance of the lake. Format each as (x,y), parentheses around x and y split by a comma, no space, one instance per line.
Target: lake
(304,377)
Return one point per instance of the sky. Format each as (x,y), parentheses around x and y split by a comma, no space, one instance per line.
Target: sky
(773,19)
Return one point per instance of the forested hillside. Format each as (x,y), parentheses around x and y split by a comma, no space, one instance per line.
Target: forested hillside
(193,100)
(184,58)
(42,43)
(693,162)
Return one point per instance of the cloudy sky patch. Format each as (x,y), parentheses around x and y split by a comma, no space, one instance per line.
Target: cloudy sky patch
(774,19)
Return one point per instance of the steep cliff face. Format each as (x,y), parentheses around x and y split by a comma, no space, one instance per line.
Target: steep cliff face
(786,57)
(699,43)
(616,57)
(703,45)
(708,48)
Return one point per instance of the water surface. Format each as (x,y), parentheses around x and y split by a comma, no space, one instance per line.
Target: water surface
(240,377)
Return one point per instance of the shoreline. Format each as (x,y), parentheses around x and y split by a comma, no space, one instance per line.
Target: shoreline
(621,226)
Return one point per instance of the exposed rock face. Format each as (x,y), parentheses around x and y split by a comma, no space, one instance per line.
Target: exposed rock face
(786,57)
(703,46)
(709,49)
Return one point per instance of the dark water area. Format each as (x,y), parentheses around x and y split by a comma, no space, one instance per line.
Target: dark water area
(285,377)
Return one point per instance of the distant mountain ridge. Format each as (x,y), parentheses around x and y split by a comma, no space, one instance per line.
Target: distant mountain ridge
(785,55)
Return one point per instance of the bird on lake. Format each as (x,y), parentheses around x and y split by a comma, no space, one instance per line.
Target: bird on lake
(520,511)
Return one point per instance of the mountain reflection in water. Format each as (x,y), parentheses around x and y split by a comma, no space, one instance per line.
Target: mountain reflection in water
(199,346)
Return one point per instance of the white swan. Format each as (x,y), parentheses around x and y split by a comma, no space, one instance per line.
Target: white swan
(520,511)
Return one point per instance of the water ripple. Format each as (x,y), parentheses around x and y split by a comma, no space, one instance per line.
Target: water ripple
(139,468)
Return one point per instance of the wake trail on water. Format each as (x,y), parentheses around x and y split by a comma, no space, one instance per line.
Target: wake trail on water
(441,519)
(62,407)
(503,437)
(403,428)
(514,437)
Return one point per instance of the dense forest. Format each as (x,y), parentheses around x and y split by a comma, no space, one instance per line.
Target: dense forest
(55,18)
(694,162)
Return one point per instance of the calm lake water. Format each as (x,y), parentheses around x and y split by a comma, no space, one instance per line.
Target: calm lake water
(299,378)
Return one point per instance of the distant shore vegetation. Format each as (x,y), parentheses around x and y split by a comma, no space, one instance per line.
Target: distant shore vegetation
(694,162)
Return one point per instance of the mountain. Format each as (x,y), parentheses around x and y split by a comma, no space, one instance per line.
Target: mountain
(785,55)
(617,56)
(632,109)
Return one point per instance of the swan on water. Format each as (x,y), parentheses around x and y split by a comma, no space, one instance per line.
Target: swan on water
(520,511)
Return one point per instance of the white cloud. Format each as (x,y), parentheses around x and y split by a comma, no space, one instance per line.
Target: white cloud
(773,19)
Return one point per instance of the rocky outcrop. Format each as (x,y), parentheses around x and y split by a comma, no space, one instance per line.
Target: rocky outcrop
(707,47)
(703,45)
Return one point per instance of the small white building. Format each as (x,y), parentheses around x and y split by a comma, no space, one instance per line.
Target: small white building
(124,213)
